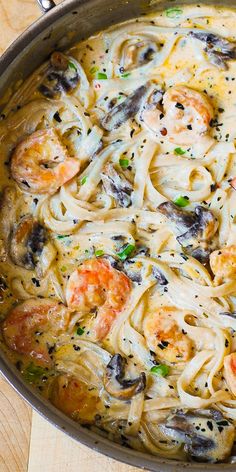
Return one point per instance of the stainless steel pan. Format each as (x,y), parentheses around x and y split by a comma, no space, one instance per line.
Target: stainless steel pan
(58,28)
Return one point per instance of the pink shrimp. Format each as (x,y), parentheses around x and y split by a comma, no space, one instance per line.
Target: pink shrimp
(40,164)
(97,284)
(23,323)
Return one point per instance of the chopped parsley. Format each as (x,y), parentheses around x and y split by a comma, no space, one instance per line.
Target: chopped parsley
(101,76)
(161,370)
(72,66)
(173,12)
(99,252)
(33,372)
(80,331)
(125,75)
(126,251)
(124,163)
(181,201)
(83,180)
(179,151)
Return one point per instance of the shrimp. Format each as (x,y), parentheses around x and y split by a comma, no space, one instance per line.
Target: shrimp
(230,371)
(223,263)
(24,327)
(97,285)
(75,398)
(186,115)
(164,337)
(40,164)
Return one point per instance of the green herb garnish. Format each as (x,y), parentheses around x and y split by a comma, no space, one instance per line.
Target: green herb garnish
(71,65)
(173,12)
(63,268)
(93,70)
(126,74)
(181,201)
(124,163)
(179,151)
(161,369)
(83,180)
(80,331)
(33,372)
(101,76)
(99,252)
(62,236)
(126,251)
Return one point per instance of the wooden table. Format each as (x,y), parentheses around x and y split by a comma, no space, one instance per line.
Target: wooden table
(27,442)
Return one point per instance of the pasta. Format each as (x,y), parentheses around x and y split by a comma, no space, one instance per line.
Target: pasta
(118,243)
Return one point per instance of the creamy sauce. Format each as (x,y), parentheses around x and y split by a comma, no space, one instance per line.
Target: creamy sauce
(118,243)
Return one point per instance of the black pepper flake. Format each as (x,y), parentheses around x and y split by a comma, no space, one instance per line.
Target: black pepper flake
(132,132)
(179,105)
(35,282)
(76,348)
(57,117)
(226,343)
(190,127)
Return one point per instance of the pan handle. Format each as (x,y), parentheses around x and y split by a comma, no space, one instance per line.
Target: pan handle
(46,5)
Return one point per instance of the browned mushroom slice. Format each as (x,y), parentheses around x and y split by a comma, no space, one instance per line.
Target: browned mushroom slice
(138,53)
(117,186)
(125,110)
(62,76)
(218,49)
(197,229)
(26,242)
(207,436)
(116,385)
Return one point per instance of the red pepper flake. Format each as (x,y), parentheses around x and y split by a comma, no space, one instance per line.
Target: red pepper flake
(163,131)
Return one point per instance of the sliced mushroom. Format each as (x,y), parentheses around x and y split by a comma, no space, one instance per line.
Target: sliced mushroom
(125,110)
(206,434)
(27,242)
(62,76)
(114,381)
(117,186)
(218,49)
(137,53)
(152,109)
(157,274)
(198,228)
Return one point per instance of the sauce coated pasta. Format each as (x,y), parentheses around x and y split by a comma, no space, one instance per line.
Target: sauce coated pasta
(118,232)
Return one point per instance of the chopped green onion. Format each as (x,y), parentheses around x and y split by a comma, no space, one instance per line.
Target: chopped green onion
(179,151)
(83,180)
(125,252)
(63,268)
(62,236)
(182,201)
(33,372)
(93,70)
(72,66)
(101,76)
(126,74)
(124,163)
(99,252)
(173,12)
(80,331)
(161,369)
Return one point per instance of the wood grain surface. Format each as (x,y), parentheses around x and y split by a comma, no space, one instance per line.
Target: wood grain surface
(28,443)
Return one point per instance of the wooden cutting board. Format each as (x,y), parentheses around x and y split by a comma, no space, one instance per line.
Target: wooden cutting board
(28,443)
